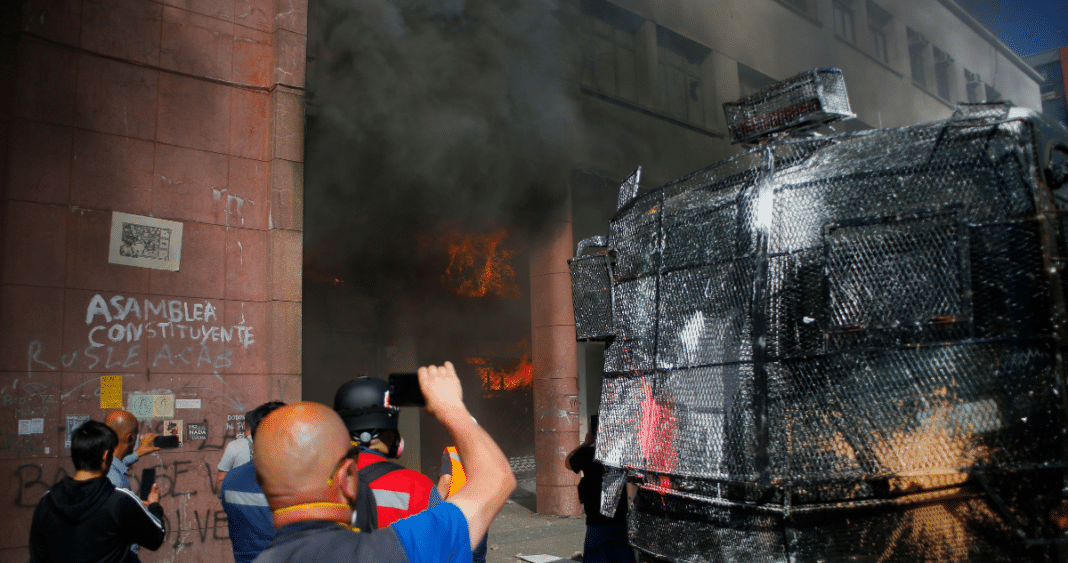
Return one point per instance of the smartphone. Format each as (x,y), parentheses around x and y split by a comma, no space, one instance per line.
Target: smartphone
(148,478)
(165,442)
(404,390)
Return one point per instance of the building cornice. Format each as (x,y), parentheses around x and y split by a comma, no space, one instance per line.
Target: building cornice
(993,39)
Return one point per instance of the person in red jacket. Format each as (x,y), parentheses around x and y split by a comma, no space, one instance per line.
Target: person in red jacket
(363,404)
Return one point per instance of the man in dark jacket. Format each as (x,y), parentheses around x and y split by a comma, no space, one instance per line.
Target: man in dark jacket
(606,537)
(85,518)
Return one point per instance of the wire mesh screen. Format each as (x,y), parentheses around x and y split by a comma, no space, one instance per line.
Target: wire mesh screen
(842,349)
(810,98)
(591,290)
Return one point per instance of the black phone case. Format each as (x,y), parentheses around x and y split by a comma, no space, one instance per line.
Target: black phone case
(405,390)
(165,442)
(148,478)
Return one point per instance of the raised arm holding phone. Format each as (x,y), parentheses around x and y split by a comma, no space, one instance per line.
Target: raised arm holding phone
(306,466)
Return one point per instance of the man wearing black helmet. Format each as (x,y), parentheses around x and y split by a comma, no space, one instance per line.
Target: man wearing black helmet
(363,404)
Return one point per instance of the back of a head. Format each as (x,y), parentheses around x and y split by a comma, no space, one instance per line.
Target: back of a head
(254,416)
(363,403)
(122,422)
(88,443)
(298,445)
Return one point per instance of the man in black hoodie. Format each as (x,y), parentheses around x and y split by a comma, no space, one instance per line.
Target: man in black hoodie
(85,518)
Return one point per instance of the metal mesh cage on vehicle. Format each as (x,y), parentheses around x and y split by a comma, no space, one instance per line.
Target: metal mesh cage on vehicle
(843,348)
(591,285)
(808,99)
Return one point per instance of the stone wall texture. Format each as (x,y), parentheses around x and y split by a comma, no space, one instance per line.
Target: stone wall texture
(190,111)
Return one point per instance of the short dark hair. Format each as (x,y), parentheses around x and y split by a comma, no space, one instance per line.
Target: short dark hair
(88,443)
(254,416)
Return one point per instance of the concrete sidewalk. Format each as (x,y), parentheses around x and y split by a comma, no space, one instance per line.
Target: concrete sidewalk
(518,530)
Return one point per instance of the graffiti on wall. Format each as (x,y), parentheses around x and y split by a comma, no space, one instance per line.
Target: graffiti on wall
(128,332)
(132,339)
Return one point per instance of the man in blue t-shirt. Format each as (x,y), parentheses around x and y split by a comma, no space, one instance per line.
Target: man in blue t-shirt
(247,515)
(308,472)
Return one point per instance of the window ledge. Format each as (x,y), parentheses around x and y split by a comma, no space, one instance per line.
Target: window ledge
(874,59)
(924,89)
(650,112)
(801,13)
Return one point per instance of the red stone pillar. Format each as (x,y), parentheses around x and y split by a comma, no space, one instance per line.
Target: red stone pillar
(185,111)
(556,403)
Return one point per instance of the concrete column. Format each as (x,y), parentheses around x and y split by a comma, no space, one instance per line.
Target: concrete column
(553,347)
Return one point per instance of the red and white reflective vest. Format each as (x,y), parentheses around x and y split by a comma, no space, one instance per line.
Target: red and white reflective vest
(399,494)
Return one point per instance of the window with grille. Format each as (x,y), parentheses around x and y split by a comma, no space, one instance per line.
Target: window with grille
(879,32)
(751,81)
(973,85)
(680,62)
(943,65)
(992,95)
(917,56)
(843,21)
(609,57)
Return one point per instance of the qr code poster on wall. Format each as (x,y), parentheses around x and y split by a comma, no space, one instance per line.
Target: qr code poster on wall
(146,242)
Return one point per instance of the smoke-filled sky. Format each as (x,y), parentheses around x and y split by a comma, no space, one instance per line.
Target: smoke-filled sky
(1026,26)
(433,114)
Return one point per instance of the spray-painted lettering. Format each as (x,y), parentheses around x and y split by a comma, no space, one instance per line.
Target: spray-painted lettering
(126,320)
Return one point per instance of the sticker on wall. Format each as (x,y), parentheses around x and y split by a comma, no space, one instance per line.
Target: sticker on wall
(162,406)
(187,403)
(197,431)
(145,242)
(111,391)
(31,426)
(73,422)
(141,406)
(236,422)
(174,428)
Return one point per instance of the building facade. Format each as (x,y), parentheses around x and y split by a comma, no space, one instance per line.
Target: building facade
(904,62)
(122,122)
(1053,66)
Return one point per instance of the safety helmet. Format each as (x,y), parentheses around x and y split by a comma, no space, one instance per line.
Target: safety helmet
(363,403)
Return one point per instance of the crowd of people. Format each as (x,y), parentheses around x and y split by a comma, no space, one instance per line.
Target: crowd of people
(313,483)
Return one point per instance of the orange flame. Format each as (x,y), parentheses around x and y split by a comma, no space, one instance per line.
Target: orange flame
(478,266)
(502,379)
